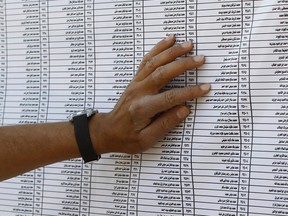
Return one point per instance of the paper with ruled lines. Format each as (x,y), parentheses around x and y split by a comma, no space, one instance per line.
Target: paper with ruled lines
(229,157)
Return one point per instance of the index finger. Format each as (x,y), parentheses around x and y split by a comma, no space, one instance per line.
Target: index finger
(158,48)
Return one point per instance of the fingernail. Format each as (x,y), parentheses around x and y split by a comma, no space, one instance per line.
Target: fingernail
(186,44)
(170,37)
(198,59)
(182,113)
(205,87)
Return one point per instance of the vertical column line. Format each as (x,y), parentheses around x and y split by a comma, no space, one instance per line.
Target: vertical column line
(48,91)
(40,93)
(195,47)
(183,130)
(6,60)
(134,68)
(134,37)
(40,59)
(238,108)
(49,60)
(84,105)
(86,59)
(251,105)
(94,93)
(143,51)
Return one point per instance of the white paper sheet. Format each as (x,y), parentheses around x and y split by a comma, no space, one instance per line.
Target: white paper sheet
(228,158)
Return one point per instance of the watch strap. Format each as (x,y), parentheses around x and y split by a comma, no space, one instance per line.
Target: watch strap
(83,138)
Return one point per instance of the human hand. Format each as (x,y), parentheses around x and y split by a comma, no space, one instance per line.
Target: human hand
(144,114)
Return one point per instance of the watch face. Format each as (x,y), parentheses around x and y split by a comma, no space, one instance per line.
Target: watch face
(88,112)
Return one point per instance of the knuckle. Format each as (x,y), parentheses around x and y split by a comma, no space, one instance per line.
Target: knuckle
(135,109)
(146,58)
(171,50)
(138,107)
(174,50)
(165,124)
(151,63)
(170,97)
(160,74)
(129,93)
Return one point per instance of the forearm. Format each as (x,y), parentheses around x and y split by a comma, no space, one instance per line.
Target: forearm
(27,147)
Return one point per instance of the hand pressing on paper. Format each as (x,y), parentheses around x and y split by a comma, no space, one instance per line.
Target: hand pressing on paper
(144,114)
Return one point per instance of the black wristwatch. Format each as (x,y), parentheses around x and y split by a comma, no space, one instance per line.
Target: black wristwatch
(81,129)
